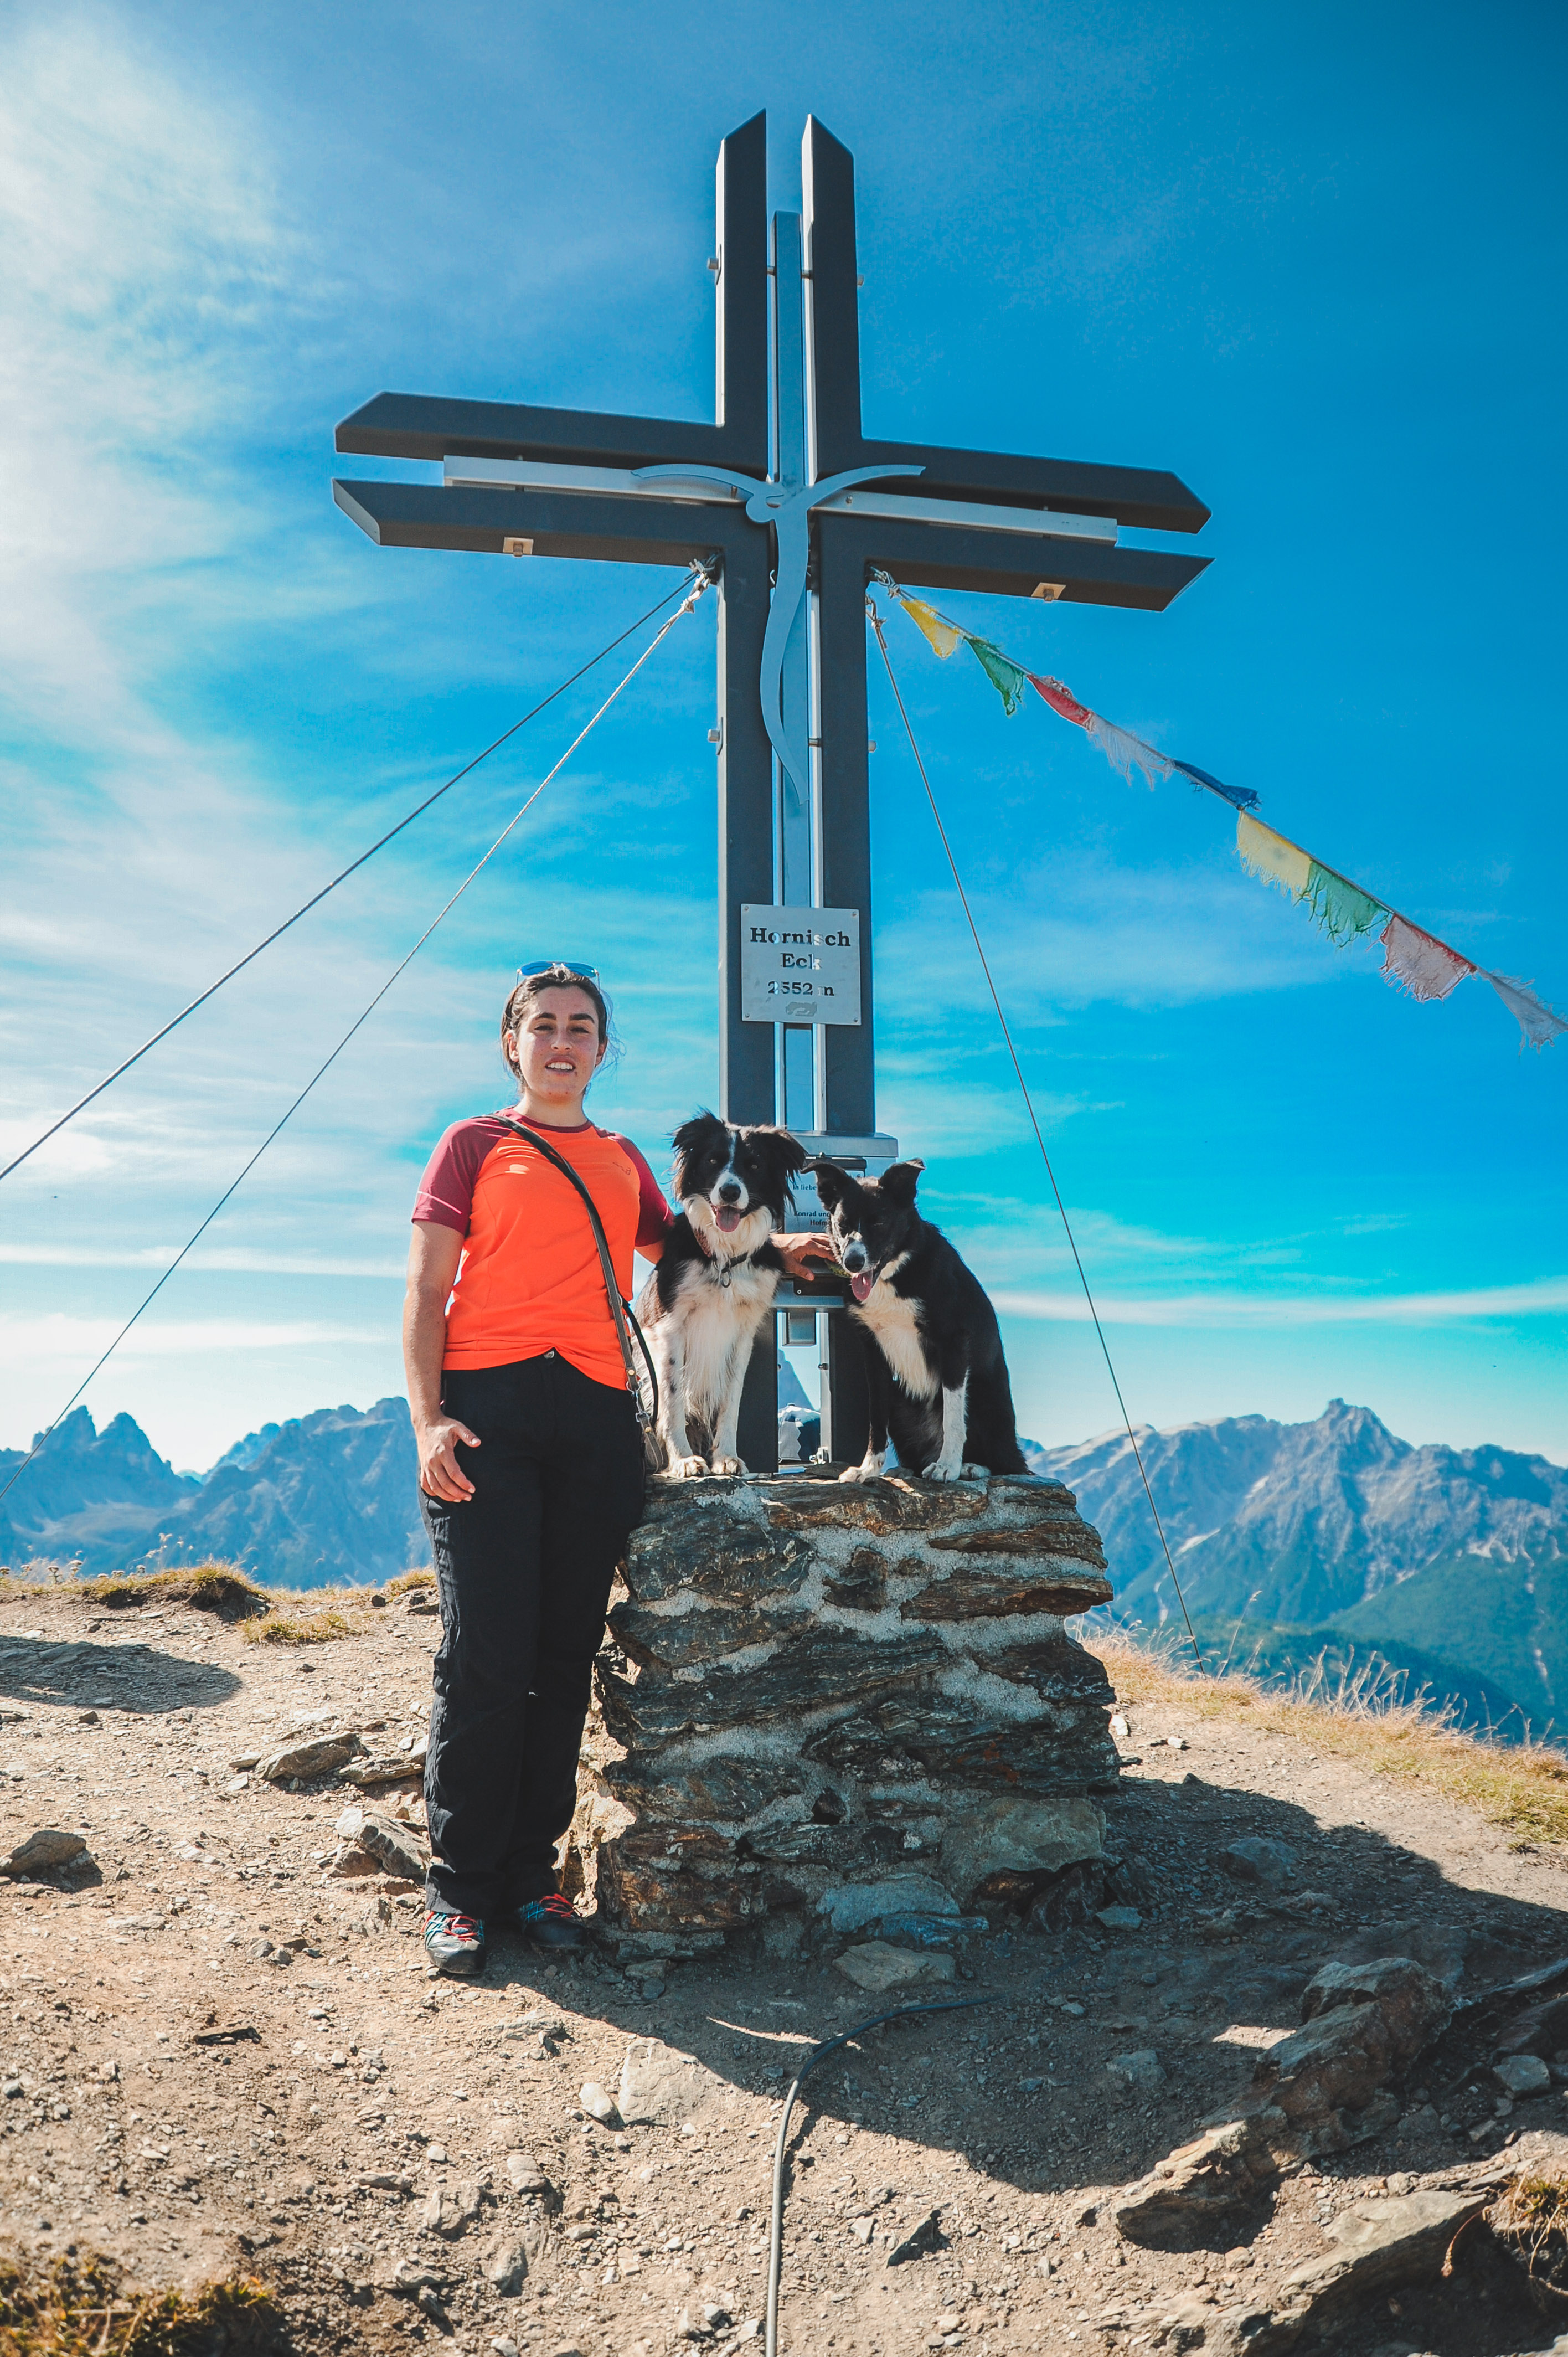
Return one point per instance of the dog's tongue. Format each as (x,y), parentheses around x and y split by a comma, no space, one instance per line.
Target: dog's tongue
(861,1286)
(726,1222)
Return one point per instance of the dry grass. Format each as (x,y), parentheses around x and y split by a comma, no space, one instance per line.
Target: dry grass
(409,1579)
(209,1587)
(1529,2217)
(301,1629)
(219,1587)
(81,2308)
(1520,1786)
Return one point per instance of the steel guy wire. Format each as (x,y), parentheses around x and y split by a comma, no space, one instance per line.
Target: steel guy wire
(703,581)
(315,901)
(1034,1122)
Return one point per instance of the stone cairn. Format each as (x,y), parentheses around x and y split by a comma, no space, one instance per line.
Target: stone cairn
(845,1707)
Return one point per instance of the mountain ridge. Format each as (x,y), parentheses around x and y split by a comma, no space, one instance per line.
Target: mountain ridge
(1330,1540)
(323,1498)
(1241,1489)
(1447,1567)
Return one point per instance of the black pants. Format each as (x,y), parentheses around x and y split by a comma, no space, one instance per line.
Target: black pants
(523,1570)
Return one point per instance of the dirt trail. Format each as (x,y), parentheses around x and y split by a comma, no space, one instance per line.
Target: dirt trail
(349,2088)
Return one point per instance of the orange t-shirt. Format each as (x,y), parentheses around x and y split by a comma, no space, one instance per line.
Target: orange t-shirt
(530,1280)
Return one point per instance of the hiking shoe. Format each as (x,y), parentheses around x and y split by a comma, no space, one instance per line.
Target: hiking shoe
(454,1944)
(552,1923)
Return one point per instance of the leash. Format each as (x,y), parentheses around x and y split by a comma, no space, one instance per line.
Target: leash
(620,1308)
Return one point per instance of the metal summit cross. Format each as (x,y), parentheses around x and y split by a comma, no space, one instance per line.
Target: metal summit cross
(791,507)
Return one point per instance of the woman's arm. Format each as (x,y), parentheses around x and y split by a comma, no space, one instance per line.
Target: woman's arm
(432,1260)
(798,1253)
(654,1216)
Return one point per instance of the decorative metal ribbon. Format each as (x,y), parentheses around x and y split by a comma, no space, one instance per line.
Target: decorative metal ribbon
(787,508)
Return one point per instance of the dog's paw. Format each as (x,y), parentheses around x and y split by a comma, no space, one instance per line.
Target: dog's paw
(717,1464)
(688,1469)
(869,1470)
(941,1472)
(974,1472)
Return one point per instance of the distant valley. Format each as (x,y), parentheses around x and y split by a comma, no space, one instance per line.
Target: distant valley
(1444,1568)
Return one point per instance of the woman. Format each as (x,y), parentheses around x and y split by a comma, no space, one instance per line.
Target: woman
(531,1465)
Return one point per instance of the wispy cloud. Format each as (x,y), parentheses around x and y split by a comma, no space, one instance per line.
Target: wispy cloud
(1013,1241)
(1541,1298)
(218,692)
(75,1342)
(147,259)
(1086,929)
(152,1257)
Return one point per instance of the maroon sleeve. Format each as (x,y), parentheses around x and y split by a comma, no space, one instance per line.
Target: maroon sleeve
(654,1216)
(446,1196)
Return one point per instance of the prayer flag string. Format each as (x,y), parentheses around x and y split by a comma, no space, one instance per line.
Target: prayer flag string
(1414,961)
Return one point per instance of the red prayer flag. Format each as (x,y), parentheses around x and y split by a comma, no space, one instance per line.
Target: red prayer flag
(1061,699)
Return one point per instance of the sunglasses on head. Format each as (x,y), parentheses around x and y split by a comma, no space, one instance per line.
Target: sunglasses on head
(572,969)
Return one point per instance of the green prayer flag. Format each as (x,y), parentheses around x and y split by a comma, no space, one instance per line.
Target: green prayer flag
(1008,678)
(1341,907)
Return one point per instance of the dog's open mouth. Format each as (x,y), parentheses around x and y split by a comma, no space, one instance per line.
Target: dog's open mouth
(861,1284)
(726,1219)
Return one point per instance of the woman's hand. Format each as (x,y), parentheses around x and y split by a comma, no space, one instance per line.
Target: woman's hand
(440,1475)
(798,1253)
(434,1255)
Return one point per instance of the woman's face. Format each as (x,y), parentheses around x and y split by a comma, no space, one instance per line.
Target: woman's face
(558,1049)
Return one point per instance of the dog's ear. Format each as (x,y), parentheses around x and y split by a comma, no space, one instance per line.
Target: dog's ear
(899,1182)
(704,1131)
(697,1132)
(704,1128)
(832,1184)
(783,1156)
(792,1156)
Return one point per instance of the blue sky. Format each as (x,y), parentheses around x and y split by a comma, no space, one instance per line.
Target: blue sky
(1309,257)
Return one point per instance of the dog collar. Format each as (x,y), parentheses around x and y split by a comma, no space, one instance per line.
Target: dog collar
(709,1253)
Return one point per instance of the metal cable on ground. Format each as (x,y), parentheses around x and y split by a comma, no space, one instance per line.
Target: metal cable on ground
(1034,1121)
(315,901)
(819,2054)
(702,583)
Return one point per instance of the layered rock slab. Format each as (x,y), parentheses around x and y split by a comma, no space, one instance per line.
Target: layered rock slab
(824,1691)
(1318,2090)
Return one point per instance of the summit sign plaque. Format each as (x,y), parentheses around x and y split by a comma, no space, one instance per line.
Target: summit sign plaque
(799,965)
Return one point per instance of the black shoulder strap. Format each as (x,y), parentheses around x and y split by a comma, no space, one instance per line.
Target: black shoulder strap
(620,1309)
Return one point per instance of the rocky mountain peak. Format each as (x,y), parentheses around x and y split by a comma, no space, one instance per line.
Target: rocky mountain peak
(1359,1431)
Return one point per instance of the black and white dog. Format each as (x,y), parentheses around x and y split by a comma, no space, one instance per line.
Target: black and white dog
(714,1285)
(933,1349)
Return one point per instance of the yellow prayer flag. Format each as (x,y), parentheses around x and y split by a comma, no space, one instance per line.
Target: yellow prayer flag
(1270,855)
(942,635)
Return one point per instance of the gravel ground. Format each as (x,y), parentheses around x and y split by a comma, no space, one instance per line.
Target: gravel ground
(216,2054)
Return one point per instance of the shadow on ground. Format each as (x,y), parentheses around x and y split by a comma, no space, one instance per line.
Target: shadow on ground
(132,1678)
(1021,2084)
(1019,2091)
